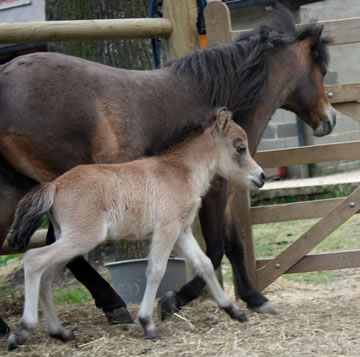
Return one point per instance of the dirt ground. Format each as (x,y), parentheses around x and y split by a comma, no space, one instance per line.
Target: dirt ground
(312,321)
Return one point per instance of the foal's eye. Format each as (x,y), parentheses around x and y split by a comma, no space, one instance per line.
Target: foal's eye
(240,149)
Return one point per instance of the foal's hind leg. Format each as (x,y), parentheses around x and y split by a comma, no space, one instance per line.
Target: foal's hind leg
(192,251)
(36,262)
(47,304)
(105,296)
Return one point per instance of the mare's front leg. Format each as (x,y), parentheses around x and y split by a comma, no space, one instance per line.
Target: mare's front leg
(211,216)
(104,295)
(234,250)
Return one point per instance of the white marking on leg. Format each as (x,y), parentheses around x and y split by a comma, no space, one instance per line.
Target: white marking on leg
(202,264)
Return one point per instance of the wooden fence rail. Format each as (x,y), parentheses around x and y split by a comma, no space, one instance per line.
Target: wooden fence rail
(79,30)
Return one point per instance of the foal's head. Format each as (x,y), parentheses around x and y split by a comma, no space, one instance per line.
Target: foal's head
(236,163)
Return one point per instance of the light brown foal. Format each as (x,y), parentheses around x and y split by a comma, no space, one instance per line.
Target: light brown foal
(156,197)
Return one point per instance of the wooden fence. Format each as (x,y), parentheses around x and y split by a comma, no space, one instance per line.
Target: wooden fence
(333,212)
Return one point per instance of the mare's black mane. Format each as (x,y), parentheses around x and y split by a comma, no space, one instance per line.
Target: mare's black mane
(236,75)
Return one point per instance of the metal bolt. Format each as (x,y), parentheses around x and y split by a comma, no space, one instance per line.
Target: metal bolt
(330,95)
(352,204)
(277,265)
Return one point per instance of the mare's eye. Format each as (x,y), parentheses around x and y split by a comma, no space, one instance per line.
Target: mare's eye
(240,149)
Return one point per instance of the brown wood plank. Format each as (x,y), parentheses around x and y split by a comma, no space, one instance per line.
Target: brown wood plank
(309,154)
(343,93)
(218,23)
(344,31)
(240,203)
(321,261)
(351,109)
(307,241)
(37,240)
(293,211)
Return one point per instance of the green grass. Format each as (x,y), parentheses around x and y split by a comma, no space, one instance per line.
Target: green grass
(5,258)
(271,239)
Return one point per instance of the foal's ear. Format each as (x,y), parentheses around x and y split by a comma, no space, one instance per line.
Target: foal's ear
(223,118)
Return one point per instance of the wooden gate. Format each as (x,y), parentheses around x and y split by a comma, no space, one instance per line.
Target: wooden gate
(334,212)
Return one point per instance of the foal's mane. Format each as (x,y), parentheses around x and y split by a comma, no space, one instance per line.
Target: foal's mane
(236,75)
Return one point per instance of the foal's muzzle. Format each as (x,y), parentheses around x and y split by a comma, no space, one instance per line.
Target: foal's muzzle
(257,179)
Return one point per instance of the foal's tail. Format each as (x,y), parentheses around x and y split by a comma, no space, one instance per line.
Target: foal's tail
(29,214)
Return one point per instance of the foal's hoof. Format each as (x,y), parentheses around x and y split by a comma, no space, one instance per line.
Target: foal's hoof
(153,336)
(166,306)
(64,335)
(12,344)
(236,313)
(265,308)
(119,316)
(16,339)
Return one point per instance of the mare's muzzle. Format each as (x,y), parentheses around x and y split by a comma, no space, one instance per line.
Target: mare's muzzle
(327,123)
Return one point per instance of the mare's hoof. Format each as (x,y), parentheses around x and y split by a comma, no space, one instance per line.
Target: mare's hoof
(64,336)
(265,308)
(166,306)
(119,316)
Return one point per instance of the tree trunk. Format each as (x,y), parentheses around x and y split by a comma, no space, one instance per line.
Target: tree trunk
(131,54)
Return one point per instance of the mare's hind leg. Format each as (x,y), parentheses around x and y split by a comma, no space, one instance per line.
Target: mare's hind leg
(9,197)
(192,251)
(104,295)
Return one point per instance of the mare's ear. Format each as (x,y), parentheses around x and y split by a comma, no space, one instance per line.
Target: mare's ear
(319,29)
(223,118)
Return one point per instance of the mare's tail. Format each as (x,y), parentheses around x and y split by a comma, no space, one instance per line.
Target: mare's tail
(29,214)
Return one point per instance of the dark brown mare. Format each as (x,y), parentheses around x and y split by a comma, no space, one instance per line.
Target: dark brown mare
(57,112)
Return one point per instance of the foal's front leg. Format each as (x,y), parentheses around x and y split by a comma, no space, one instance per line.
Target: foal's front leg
(202,264)
(161,245)
(211,218)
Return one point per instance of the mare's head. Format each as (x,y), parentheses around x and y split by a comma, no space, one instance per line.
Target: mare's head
(275,65)
(306,56)
(236,163)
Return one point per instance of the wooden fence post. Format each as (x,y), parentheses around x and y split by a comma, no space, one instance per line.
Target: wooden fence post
(184,36)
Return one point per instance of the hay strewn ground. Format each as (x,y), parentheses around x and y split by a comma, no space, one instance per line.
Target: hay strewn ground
(312,321)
